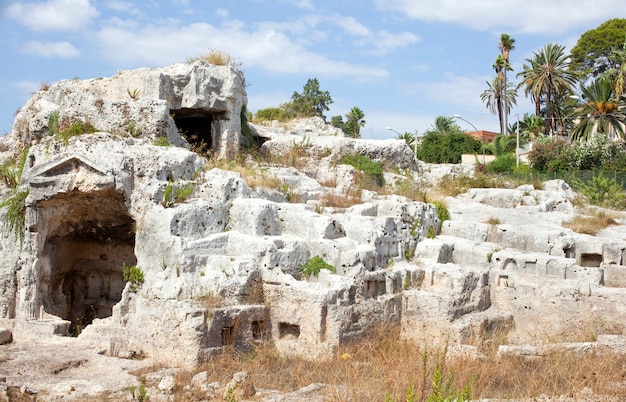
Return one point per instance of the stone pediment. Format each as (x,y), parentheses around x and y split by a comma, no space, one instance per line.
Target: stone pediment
(71,173)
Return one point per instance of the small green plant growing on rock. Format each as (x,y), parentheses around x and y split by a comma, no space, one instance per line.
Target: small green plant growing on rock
(15,216)
(134,94)
(431,233)
(134,275)
(372,170)
(315,265)
(53,123)
(442,211)
(77,128)
(176,193)
(161,142)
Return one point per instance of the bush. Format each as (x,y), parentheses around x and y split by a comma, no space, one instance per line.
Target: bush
(373,170)
(315,265)
(272,113)
(134,275)
(442,211)
(446,148)
(603,191)
(75,129)
(543,156)
(502,164)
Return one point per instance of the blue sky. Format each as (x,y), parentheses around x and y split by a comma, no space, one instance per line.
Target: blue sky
(403,62)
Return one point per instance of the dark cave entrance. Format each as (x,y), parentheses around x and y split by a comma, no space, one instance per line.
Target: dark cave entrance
(197,126)
(90,238)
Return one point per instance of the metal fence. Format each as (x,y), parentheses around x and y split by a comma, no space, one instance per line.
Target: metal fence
(585,176)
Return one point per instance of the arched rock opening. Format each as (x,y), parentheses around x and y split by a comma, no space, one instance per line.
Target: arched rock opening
(197,126)
(89,238)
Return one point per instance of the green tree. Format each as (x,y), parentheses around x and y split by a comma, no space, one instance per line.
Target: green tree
(492,98)
(312,101)
(531,127)
(506,45)
(355,120)
(445,142)
(591,56)
(547,76)
(502,145)
(599,112)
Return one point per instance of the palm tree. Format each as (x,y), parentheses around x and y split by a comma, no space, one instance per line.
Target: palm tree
(547,77)
(502,145)
(599,112)
(492,97)
(354,122)
(444,125)
(531,127)
(409,138)
(505,45)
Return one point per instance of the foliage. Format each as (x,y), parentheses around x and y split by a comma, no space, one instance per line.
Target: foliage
(161,142)
(591,56)
(544,154)
(442,211)
(134,275)
(135,94)
(599,112)
(492,97)
(15,217)
(77,128)
(446,148)
(354,122)
(603,191)
(502,164)
(53,123)
(502,145)
(216,58)
(12,174)
(315,265)
(546,77)
(272,113)
(245,127)
(312,101)
(175,193)
(373,170)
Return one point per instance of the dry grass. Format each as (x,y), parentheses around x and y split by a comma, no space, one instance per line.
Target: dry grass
(492,221)
(215,57)
(592,220)
(381,364)
(350,198)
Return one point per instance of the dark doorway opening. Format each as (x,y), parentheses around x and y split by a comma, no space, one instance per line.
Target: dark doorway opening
(90,238)
(196,125)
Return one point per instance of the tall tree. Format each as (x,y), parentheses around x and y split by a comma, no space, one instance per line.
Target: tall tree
(354,122)
(492,97)
(445,142)
(547,76)
(506,45)
(599,112)
(312,101)
(591,56)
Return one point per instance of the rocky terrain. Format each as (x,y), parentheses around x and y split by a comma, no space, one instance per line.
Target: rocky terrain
(123,248)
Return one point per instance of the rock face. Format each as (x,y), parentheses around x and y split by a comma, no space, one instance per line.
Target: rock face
(201,101)
(142,249)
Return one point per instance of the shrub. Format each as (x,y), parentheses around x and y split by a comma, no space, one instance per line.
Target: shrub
(272,113)
(442,211)
(602,190)
(315,265)
(446,148)
(134,275)
(543,156)
(373,170)
(502,164)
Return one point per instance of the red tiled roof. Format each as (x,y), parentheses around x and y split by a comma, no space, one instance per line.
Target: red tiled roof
(488,136)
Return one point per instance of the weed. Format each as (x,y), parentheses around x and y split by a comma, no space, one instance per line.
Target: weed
(319,208)
(230,397)
(593,223)
(315,265)
(134,275)
(53,123)
(603,191)
(15,217)
(176,194)
(493,221)
(489,256)
(373,170)
(442,211)
(161,142)
(75,129)
(134,94)
(133,129)
(431,233)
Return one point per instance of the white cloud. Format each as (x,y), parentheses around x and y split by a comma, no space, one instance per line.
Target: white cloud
(524,16)
(349,24)
(59,15)
(270,50)
(51,49)
(384,42)
(222,13)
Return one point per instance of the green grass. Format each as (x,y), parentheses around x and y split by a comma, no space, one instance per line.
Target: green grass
(372,170)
